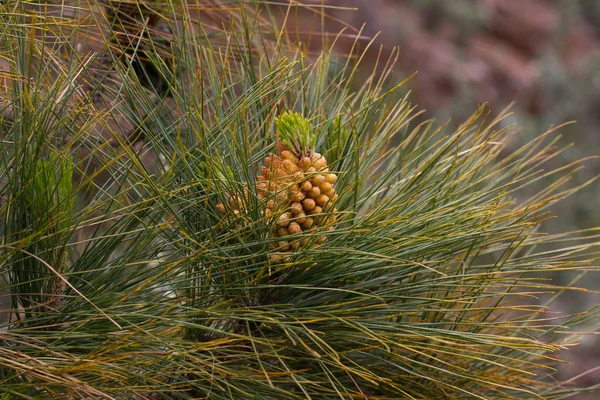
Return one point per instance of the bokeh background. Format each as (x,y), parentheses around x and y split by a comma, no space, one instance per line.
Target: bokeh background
(543,55)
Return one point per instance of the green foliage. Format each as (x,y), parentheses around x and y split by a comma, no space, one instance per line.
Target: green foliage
(426,288)
(296,132)
(41,223)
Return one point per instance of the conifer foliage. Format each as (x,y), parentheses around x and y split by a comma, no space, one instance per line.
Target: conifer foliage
(170,232)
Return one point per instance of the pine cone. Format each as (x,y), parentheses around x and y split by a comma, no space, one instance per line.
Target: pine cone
(298,189)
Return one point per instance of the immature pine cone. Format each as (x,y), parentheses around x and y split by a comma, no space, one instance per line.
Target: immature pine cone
(297,187)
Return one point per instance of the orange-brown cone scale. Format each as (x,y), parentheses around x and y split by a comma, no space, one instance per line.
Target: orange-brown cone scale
(299,190)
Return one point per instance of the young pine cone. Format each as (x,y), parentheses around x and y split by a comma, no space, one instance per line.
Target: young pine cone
(298,189)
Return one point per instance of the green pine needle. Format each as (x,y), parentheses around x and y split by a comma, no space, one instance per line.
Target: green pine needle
(121,280)
(296,132)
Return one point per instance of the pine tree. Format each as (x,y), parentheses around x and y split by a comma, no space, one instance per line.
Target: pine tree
(210,211)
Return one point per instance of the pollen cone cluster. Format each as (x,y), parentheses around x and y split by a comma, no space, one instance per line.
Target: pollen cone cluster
(297,189)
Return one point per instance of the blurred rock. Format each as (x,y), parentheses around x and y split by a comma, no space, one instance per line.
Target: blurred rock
(499,70)
(527,24)
(580,43)
(435,60)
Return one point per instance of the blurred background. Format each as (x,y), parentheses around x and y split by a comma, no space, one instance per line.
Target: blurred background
(544,55)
